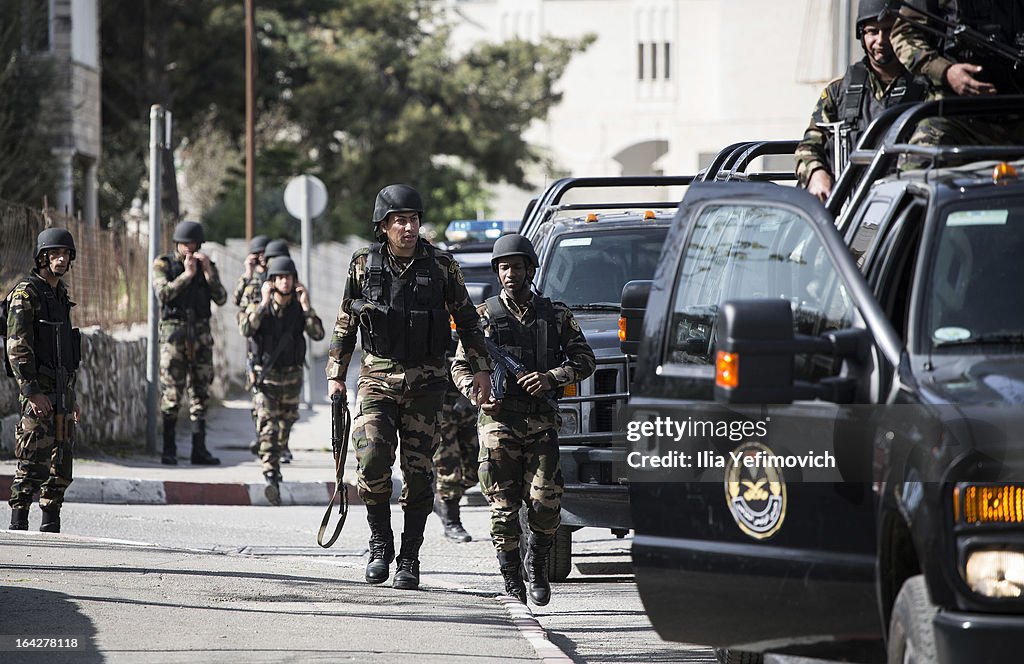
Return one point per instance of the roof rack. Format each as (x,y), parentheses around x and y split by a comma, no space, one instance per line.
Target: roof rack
(549,202)
(886,138)
(744,154)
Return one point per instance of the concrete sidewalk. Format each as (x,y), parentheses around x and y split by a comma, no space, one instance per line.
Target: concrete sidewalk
(142,479)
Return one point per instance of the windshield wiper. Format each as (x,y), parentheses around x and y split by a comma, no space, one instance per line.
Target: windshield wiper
(985,339)
(603,306)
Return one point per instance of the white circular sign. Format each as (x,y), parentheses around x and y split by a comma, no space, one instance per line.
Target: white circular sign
(305,195)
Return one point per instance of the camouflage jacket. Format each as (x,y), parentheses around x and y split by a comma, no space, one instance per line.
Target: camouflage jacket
(813,153)
(917,51)
(247,290)
(457,300)
(579,356)
(21,341)
(255,313)
(167,289)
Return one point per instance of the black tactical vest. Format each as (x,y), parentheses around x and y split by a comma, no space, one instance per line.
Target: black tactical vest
(858,106)
(410,321)
(195,297)
(538,345)
(288,332)
(54,307)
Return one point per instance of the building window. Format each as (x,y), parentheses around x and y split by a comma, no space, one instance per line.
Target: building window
(640,61)
(654,61)
(668,60)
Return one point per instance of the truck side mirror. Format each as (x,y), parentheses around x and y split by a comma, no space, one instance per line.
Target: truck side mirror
(754,359)
(631,317)
(756,345)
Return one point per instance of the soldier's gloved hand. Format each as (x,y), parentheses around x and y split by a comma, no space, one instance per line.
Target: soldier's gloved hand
(336,386)
(481,388)
(535,383)
(41,405)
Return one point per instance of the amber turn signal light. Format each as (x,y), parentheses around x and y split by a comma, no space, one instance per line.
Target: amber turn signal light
(727,369)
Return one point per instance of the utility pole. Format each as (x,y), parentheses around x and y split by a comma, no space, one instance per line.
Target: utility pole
(250,113)
(159,140)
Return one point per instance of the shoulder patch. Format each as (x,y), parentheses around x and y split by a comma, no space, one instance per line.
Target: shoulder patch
(456,272)
(574,324)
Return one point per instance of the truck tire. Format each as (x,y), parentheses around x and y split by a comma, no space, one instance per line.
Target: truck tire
(911,636)
(726,656)
(560,558)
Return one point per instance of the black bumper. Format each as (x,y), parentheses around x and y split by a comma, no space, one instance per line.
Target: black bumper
(973,637)
(593,496)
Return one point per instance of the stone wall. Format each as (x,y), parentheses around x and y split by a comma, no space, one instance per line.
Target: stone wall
(111,389)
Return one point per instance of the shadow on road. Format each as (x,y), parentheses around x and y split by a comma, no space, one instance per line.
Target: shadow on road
(30,613)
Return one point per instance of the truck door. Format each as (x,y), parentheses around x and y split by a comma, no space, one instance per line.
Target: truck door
(777,559)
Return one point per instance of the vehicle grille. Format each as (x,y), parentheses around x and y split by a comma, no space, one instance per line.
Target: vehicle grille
(605,382)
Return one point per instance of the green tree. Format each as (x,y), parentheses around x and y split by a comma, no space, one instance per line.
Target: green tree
(368,89)
(27,167)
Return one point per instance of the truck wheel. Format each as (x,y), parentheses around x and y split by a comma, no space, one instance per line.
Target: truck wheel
(911,636)
(560,558)
(726,656)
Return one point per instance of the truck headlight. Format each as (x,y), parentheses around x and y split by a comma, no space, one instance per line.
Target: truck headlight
(995,573)
(570,422)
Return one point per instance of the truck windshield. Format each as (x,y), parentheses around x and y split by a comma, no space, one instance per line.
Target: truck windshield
(975,292)
(590,269)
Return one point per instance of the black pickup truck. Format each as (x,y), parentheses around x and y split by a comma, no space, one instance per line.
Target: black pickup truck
(825,418)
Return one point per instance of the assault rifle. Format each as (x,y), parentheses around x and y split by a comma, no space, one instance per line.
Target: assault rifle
(504,363)
(959,32)
(341,422)
(63,419)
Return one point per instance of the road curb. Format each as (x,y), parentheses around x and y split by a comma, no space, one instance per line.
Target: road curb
(524,620)
(123,491)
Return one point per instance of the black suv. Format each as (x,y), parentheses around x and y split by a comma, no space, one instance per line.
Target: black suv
(826,453)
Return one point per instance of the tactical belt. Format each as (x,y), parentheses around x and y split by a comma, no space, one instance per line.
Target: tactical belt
(526,406)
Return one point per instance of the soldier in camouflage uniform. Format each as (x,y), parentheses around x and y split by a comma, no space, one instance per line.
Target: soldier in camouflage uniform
(957,67)
(253,276)
(519,434)
(31,353)
(455,461)
(400,294)
(185,283)
(277,324)
(869,87)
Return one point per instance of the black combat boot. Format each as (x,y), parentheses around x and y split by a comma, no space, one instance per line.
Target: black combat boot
(448,510)
(169,457)
(200,456)
(407,572)
(512,571)
(19,518)
(537,568)
(50,522)
(382,543)
(273,489)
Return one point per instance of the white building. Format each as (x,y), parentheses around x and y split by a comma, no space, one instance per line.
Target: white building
(668,82)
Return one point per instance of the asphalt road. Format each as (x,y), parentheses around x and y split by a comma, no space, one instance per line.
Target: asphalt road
(593,617)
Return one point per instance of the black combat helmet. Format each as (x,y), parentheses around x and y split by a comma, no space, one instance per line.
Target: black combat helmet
(396,198)
(55,238)
(258,243)
(869,11)
(276,248)
(189,231)
(281,265)
(513,244)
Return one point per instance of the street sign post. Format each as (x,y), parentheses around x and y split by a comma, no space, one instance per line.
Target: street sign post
(305,198)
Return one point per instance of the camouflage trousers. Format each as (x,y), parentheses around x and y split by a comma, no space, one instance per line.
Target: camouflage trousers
(935,132)
(519,461)
(276,404)
(396,417)
(179,372)
(458,449)
(40,466)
